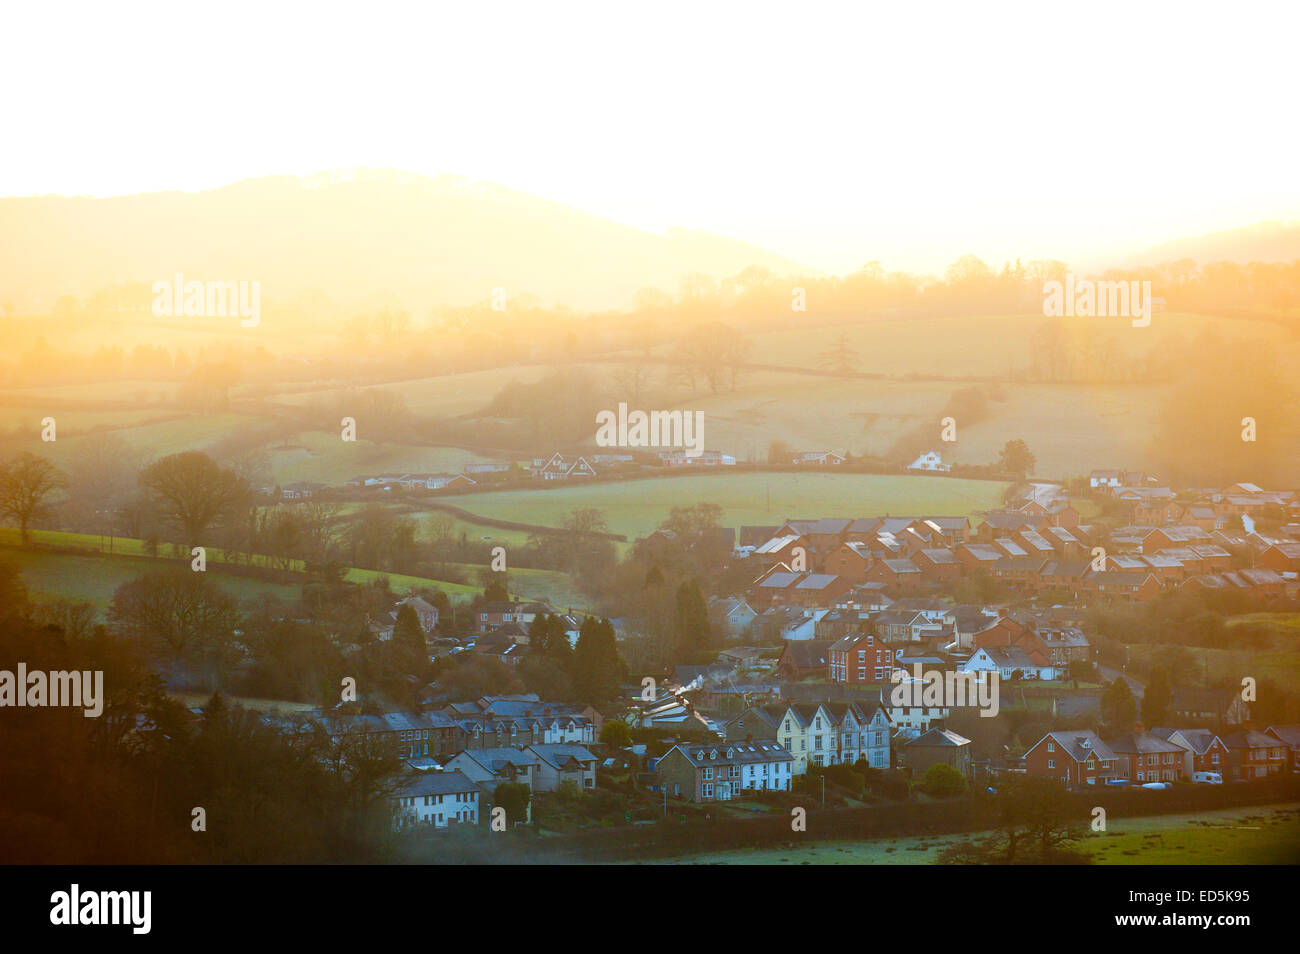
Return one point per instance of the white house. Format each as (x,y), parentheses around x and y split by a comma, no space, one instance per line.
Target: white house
(708,458)
(436,798)
(735,614)
(559,467)
(1009,662)
(817,458)
(930,460)
(1104,478)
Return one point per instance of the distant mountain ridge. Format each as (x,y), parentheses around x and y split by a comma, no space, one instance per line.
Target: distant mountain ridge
(1262,242)
(355,235)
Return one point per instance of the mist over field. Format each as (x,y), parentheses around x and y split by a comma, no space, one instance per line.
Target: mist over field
(445,435)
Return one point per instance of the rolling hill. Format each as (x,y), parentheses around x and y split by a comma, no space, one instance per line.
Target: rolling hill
(353,236)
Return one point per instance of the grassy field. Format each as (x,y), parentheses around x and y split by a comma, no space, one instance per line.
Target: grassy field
(439,396)
(127,390)
(1268,835)
(324,458)
(1067,427)
(95,578)
(1259,836)
(1070,428)
(635,507)
(986,345)
(194,432)
(24,423)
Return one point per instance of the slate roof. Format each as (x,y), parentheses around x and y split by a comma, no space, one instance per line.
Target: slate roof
(1078,745)
(715,753)
(1145,744)
(937,738)
(436,783)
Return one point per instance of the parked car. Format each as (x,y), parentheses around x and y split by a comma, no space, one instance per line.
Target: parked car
(1116,781)
(1156,786)
(1207,778)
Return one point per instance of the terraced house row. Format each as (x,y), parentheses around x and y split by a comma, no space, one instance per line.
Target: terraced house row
(1164,754)
(826,733)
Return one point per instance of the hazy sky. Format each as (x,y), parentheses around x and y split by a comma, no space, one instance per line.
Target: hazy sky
(836,134)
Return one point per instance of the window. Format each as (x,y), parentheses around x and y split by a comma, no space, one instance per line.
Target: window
(1051,763)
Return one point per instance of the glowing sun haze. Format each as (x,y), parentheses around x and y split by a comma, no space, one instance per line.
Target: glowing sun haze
(834,134)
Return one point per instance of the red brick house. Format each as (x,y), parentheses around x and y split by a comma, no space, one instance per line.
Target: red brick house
(1074,758)
(1133,585)
(1143,757)
(1280,558)
(1065,574)
(818,589)
(938,565)
(977,556)
(1206,751)
(1063,515)
(1254,755)
(1005,632)
(898,575)
(849,561)
(1020,573)
(858,659)
(1288,735)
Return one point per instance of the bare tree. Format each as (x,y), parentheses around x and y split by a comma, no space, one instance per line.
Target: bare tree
(25,483)
(192,493)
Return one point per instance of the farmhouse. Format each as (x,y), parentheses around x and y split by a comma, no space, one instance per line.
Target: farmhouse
(817,459)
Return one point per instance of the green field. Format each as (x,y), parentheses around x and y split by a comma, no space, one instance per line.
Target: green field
(1067,427)
(324,458)
(1259,835)
(635,507)
(95,576)
(439,396)
(194,432)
